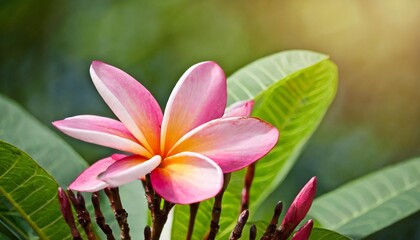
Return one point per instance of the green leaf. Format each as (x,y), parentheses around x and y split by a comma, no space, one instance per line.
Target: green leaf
(25,132)
(11,223)
(325,234)
(368,204)
(21,129)
(31,192)
(292,90)
(295,103)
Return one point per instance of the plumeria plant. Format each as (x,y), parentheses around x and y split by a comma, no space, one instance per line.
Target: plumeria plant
(207,163)
(183,156)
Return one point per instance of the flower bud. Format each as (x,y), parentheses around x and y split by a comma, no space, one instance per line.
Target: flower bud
(299,207)
(304,232)
(65,208)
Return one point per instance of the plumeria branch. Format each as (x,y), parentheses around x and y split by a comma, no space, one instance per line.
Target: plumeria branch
(271,228)
(119,212)
(83,216)
(100,219)
(158,215)
(150,195)
(65,209)
(246,191)
(237,231)
(147,233)
(193,215)
(217,209)
(252,232)
(161,217)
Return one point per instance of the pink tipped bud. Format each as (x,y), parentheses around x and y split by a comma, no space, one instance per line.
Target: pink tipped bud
(304,232)
(65,206)
(299,207)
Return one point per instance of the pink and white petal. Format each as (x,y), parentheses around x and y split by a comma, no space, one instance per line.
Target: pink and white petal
(239,109)
(187,178)
(233,143)
(88,180)
(102,131)
(198,97)
(129,169)
(130,101)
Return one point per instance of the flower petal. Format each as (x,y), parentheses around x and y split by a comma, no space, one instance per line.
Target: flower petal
(187,178)
(102,131)
(130,101)
(87,181)
(233,143)
(239,109)
(198,97)
(129,169)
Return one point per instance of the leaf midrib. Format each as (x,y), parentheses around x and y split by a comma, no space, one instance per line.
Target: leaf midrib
(35,227)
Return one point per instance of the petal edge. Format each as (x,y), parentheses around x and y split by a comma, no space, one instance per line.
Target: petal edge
(87,181)
(203,180)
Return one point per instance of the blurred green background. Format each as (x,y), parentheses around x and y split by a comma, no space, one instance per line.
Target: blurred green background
(47,46)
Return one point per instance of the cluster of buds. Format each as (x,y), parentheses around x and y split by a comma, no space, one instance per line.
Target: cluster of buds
(83,216)
(295,214)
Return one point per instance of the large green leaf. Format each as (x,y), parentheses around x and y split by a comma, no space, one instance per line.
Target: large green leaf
(25,132)
(325,234)
(372,202)
(292,90)
(31,192)
(22,130)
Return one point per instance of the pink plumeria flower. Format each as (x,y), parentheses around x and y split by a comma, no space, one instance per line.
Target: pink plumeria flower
(186,150)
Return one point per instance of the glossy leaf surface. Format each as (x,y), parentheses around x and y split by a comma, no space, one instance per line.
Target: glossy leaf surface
(372,202)
(28,192)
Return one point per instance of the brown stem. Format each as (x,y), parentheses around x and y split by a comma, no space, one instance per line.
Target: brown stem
(119,212)
(249,177)
(65,208)
(159,216)
(271,228)
(237,231)
(280,234)
(82,213)
(253,232)
(160,219)
(193,214)
(100,219)
(147,233)
(217,209)
(148,190)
